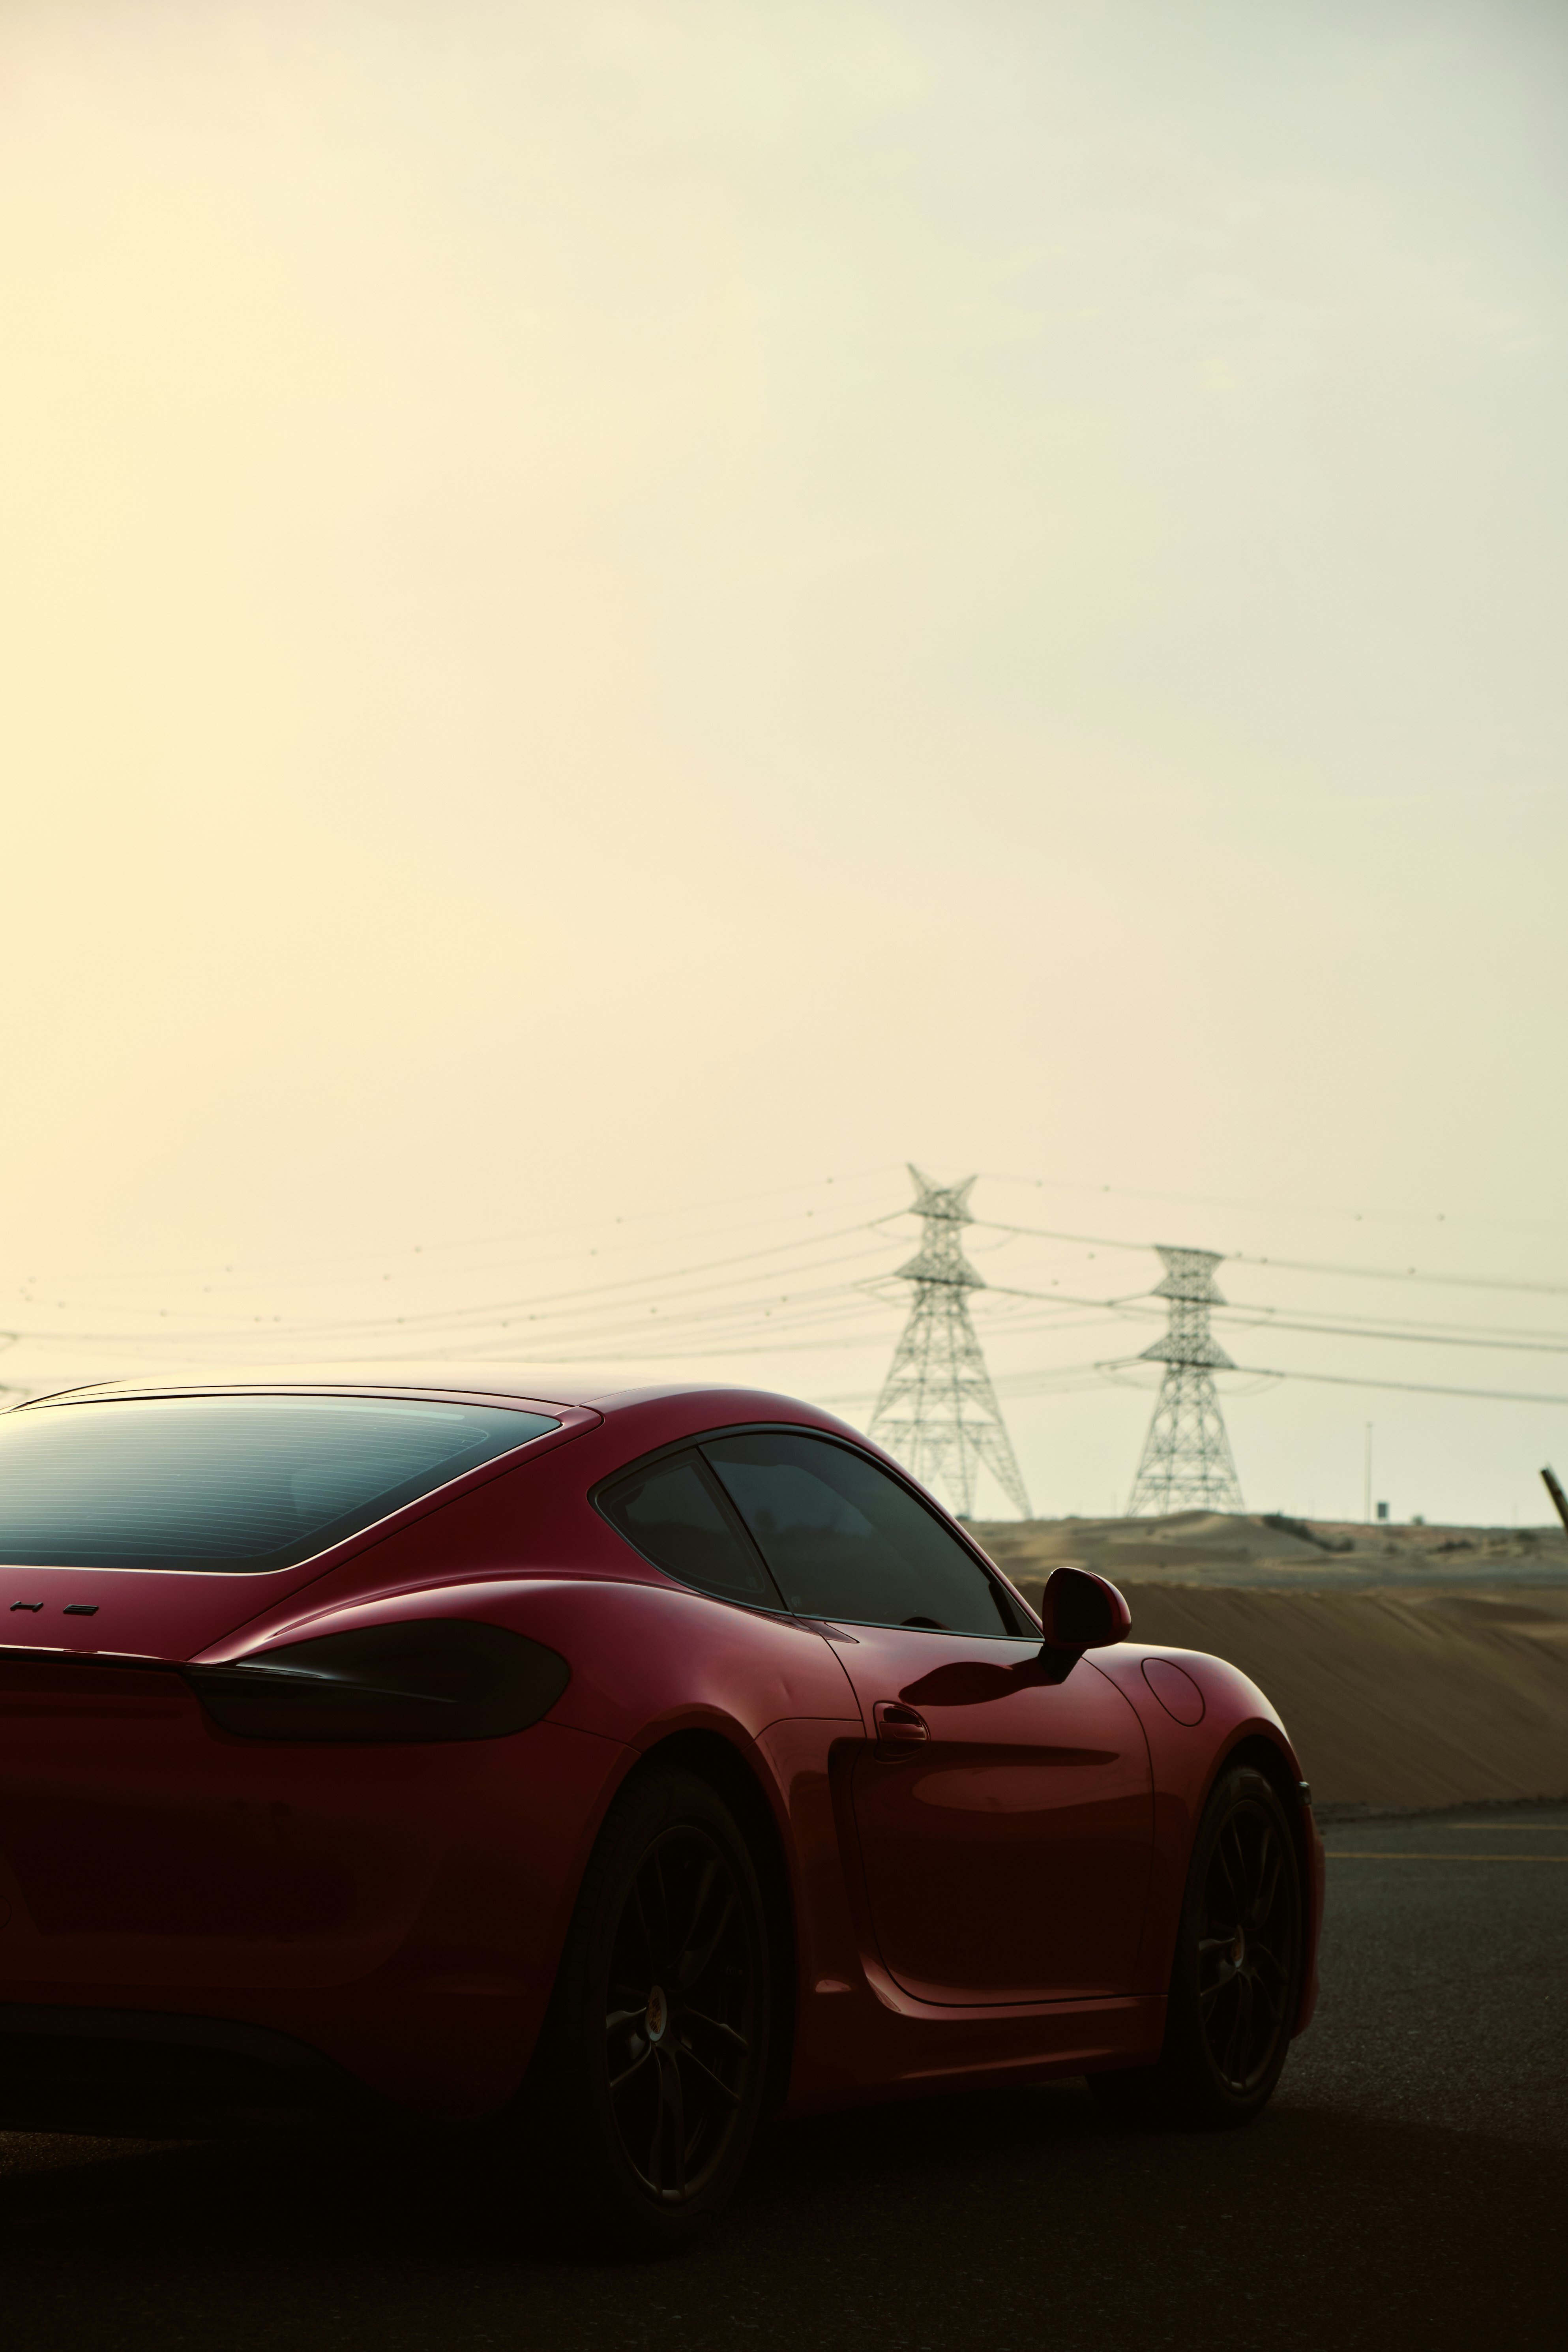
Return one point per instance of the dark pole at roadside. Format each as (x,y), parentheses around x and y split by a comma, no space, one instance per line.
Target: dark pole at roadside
(1554,1488)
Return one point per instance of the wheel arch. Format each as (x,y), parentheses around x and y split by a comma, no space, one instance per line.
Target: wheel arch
(709,1756)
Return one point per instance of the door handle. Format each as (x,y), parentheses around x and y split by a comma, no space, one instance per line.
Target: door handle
(898,1726)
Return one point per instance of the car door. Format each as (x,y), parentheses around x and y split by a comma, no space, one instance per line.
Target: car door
(1005,1811)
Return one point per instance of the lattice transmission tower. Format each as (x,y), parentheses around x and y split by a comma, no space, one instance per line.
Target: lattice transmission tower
(1186,1458)
(938,1411)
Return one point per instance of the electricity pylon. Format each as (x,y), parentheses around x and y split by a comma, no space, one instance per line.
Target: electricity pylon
(1186,1454)
(938,1411)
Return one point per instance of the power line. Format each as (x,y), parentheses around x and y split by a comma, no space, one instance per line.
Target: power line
(1414,1339)
(1405,1273)
(551,1306)
(1298,1264)
(1289,1208)
(600,1224)
(1411,1388)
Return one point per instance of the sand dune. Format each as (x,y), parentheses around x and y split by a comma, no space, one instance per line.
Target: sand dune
(1442,1680)
(1328,1555)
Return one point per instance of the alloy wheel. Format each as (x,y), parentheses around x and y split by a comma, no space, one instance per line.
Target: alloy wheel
(680,2028)
(1247,1946)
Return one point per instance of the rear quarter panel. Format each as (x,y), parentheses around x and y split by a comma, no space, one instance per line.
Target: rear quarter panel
(650,1662)
(398,1909)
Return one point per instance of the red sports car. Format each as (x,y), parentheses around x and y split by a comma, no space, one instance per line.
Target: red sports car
(653,1758)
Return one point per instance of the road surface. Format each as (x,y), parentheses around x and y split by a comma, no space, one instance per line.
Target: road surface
(1409,2186)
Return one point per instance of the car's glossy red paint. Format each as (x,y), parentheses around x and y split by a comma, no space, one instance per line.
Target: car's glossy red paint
(987,1891)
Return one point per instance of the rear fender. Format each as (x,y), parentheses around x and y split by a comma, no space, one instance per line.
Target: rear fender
(752,1700)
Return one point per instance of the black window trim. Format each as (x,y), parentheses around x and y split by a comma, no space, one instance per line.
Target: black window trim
(700,1438)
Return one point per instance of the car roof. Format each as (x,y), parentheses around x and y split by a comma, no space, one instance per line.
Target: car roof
(565,1388)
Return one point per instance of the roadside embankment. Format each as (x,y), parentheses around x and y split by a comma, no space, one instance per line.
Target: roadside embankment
(1269,1549)
(1395,1698)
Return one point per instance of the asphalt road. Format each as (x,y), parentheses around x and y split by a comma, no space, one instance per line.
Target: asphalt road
(1408,2186)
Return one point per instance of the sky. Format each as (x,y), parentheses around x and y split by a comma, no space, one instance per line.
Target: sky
(611,613)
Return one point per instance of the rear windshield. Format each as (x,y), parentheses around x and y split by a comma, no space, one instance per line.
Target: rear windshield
(235,1484)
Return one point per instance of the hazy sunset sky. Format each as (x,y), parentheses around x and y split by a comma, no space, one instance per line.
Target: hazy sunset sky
(610,611)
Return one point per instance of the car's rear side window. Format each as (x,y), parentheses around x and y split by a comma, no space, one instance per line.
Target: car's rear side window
(676,1516)
(845,1541)
(235,1484)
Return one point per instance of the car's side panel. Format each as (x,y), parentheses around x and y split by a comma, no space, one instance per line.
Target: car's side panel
(653,1662)
(860,2035)
(830,1988)
(1007,1857)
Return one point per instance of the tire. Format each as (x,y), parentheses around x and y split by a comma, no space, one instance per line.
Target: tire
(654,2059)
(1236,1977)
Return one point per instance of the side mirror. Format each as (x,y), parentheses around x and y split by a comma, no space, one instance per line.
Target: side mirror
(1081,1611)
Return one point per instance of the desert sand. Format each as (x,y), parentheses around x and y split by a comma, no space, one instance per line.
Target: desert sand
(1423,1666)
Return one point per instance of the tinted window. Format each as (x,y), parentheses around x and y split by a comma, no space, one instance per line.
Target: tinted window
(674,1514)
(227,1482)
(845,1541)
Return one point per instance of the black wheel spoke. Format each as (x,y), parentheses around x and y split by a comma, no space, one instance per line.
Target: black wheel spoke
(1242,1871)
(682,1944)
(1236,2040)
(1273,2002)
(1225,1974)
(665,1946)
(692,1972)
(715,2025)
(656,2144)
(1223,1859)
(669,2125)
(686,2055)
(647,1933)
(626,2074)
